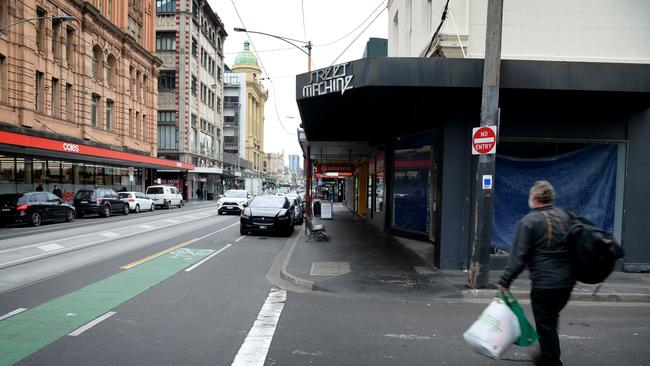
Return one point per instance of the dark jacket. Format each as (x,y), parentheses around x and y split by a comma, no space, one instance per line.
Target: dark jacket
(547,260)
(57,192)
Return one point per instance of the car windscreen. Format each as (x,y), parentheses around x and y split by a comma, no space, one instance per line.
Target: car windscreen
(235,194)
(268,202)
(84,195)
(12,199)
(155,190)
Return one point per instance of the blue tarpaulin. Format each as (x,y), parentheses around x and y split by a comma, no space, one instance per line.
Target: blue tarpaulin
(584,181)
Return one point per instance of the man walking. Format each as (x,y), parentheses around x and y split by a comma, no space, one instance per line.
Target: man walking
(57,191)
(539,245)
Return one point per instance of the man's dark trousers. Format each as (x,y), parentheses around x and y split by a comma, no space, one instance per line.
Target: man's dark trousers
(547,304)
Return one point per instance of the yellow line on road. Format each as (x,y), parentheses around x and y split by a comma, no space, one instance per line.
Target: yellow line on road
(150,257)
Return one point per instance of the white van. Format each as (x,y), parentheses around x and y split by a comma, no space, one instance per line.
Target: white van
(165,196)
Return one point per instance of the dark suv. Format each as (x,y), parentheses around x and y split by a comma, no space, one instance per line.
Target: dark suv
(102,201)
(34,208)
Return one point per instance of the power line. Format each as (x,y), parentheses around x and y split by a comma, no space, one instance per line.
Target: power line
(355,28)
(359,35)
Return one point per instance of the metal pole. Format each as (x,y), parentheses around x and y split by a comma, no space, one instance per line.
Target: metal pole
(479,269)
(309,56)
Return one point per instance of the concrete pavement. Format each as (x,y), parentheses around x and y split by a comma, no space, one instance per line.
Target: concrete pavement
(360,259)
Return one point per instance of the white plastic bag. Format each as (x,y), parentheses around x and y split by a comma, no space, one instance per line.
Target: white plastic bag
(495,330)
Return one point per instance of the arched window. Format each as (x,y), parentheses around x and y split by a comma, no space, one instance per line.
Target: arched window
(98,63)
(111,71)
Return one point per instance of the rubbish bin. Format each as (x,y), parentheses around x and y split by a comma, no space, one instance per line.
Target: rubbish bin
(210,196)
(317,208)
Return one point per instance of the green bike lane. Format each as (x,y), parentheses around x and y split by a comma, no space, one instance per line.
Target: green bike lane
(142,295)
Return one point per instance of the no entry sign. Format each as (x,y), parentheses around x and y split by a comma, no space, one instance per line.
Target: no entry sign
(484,140)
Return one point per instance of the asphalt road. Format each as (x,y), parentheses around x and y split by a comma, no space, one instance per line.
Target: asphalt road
(195,292)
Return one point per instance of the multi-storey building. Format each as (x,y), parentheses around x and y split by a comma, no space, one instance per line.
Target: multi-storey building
(77,95)
(273,168)
(256,96)
(294,163)
(189,40)
(234,130)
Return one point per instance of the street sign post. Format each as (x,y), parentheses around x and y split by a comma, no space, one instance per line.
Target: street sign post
(484,140)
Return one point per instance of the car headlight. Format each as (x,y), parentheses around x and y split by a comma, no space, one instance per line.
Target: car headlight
(281,218)
(244,216)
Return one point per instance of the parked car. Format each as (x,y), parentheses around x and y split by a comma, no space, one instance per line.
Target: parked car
(233,200)
(34,208)
(137,201)
(165,196)
(101,201)
(299,209)
(267,214)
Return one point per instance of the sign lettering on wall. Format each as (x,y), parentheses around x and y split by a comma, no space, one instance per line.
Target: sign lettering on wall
(331,79)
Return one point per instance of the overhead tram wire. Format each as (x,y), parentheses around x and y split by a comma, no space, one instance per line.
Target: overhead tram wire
(265,71)
(355,28)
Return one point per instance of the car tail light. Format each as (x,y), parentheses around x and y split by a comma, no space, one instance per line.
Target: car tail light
(131,199)
(22,207)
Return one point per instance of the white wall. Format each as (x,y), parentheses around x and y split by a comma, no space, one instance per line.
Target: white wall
(572,30)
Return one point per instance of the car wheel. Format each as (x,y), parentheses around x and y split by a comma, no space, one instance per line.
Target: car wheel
(137,208)
(180,204)
(69,216)
(168,205)
(35,219)
(106,211)
(125,209)
(242,231)
(153,207)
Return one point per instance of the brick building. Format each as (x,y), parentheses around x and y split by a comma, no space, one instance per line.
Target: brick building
(78,94)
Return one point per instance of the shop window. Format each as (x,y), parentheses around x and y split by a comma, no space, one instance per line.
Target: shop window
(40,90)
(87,174)
(39,171)
(20,175)
(67,173)
(54,172)
(94,110)
(7,169)
(56,97)
(412,180)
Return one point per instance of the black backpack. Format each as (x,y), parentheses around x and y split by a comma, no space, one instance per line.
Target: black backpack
(594,252)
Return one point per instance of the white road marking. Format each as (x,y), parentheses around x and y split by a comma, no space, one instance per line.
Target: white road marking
(109,234)
(15,312)
(50,247)
(240,238)
(145,226)
(92,324)
(191,217)
(409,337)
(171,221)
(258,341)
(208,257)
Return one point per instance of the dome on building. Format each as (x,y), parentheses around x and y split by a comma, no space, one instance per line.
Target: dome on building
(246,57)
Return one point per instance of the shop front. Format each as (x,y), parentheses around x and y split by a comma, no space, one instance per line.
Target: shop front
(582,126)
(29,163)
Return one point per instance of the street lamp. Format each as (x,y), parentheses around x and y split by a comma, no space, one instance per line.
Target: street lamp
(62,18)
(291,41)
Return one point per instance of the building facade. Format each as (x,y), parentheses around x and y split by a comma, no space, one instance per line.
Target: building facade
(573,111)
(273,169)
(189,40)
(256,96)
(553,30)
(79,94)
(294,163)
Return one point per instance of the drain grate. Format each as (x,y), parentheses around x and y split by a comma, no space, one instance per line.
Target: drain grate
(330,268)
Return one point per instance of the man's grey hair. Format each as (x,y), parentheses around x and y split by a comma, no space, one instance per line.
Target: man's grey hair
(543,192)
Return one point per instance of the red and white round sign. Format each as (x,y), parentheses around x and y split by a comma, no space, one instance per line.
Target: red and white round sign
(484,140)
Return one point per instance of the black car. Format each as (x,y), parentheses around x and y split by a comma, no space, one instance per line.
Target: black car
(102,201)
(268,214)
(34,208)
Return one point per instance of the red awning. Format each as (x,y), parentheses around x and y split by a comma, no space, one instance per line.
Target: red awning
(17,139)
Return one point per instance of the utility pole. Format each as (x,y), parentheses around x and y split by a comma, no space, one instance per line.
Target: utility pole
(479,269)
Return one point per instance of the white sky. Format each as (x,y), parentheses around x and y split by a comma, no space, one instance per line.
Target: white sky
(325,22)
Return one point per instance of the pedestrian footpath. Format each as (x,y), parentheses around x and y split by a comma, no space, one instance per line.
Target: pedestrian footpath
(360,259)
